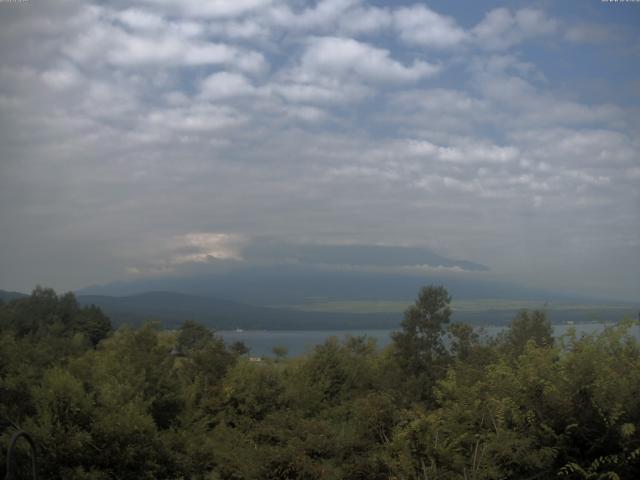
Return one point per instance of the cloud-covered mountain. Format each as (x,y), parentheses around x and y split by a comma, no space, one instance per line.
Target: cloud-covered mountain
(296,284)
(357,256)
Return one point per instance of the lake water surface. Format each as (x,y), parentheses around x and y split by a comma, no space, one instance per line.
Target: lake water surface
(297,342)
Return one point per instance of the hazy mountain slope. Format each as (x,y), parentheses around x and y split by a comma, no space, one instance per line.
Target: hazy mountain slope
(7,296)
(288,285)
(174,308)
(171,309)
(355,255)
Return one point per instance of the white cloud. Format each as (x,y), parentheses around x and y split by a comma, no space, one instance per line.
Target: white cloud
(209,8)
(533,22)
(175,51)
(325,14)
(338,17)
(345,57)
(584,148)
(225,85)
(207,246)
(140,19)
(300,86)
(500,29)
(62,78)
(167,47)
(465,151)
(194,118)
(306,113)
(245,29)
(419,25)
(507,82)
(442,109)
(361,20)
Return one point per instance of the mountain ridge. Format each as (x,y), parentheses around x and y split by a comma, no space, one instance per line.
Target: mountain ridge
(298,284)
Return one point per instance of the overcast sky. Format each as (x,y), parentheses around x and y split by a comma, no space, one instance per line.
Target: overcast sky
(140,137)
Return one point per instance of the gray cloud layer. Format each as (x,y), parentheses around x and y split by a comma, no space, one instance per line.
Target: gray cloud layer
(133,140)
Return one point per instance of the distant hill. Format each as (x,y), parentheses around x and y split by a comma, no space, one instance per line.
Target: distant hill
(171,309)
(278,297)
(7,296)
(297,284)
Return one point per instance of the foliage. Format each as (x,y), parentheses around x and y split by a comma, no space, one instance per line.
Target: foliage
(419,346)
(438,403)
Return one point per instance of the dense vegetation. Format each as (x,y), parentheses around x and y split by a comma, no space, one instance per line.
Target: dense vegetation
(147,403)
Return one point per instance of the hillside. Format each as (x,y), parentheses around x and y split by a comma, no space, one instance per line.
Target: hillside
(6,296)
(171,309)
(300,284)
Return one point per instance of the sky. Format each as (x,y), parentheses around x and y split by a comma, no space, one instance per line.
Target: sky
(154,137)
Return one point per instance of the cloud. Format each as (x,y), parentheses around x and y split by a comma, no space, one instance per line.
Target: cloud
(300,85)
(500,29)
(442,109)
(322,14)
(169,46)
(225,85)
(209,9)
(465,152)
(419,25)
(206,246)
(365,20)
(140,19)
(239,29)
(505,80)
(62,78)
(125,131)
(584,148)
(591,33)
(354,255)
(194,118)
(345,57)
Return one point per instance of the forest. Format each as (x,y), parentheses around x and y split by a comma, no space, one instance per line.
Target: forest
(440,402)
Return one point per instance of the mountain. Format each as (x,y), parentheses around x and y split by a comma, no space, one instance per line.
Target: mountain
(171,309)
(299,284)
(7,296)
(355,255)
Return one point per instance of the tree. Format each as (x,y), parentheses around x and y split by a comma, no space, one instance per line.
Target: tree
(463,340)
(280,352)
(420,341)
(93,323)
(527,326)
(419,347)
(45,314)
(193,336)
(239,348)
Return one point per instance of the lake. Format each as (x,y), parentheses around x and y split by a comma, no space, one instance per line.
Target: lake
(297,342)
